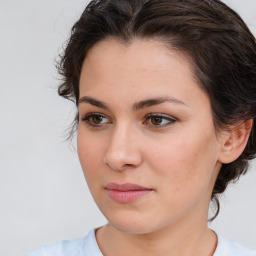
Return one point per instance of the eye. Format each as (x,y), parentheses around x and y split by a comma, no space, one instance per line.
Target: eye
(95,119)
(159,120)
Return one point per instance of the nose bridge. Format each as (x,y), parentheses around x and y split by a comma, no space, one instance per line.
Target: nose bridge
(123,148)
(120,134)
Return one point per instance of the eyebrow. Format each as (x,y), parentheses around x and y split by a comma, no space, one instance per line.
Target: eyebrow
(93,102)
(136,106)
(156,101)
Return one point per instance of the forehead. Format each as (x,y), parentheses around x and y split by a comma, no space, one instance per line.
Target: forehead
(142,68)
(139,53)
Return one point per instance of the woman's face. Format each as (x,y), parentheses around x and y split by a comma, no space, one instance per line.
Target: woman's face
(146,138)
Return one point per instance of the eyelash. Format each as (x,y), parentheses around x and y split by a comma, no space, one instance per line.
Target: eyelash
(162,117)
(88,119)
(89,122)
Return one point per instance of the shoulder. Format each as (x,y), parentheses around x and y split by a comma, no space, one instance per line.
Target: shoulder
(83,246)
(228,247)
(62,248)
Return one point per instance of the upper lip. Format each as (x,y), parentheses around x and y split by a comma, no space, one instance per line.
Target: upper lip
(125,187)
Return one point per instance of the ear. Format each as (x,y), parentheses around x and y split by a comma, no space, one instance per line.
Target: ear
(234,142)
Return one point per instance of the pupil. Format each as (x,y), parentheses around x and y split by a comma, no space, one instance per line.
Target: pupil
(156,120)
(97,119)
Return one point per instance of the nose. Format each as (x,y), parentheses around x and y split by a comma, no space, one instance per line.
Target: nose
(123,151)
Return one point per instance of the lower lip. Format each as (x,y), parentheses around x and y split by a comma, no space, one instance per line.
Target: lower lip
(125,197)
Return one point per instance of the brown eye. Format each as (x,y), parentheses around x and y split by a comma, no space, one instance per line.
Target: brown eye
(156,120)
(159,120)
(97,119)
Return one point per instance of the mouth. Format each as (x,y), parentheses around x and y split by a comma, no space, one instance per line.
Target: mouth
(126,193)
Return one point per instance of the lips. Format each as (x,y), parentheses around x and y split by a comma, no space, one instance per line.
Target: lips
(126,193)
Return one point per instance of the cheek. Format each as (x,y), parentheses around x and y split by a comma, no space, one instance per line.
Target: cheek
(184,163)
(89,152)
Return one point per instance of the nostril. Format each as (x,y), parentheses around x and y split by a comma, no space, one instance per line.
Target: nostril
(128,165)
(121,154)
(122,162)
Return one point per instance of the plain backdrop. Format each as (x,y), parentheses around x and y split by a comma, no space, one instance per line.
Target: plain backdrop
(43,194)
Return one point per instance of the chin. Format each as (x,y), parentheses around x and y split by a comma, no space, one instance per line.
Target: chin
(132,223)
(131,229)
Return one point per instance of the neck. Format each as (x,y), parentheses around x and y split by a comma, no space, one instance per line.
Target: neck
(180,239)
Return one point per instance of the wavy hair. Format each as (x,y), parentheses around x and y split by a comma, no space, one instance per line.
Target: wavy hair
(218,43)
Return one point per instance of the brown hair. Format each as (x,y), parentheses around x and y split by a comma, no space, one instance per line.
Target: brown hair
(217,41)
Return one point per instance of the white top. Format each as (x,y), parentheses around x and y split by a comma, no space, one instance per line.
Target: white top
(88,246)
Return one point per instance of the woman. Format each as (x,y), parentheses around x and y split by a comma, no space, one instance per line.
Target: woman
(166,97)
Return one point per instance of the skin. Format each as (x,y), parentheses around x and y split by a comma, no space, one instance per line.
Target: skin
(177,155)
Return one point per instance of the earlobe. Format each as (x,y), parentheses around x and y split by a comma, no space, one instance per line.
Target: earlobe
(234,142)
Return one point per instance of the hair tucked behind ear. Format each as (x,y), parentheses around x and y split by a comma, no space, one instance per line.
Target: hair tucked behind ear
(215,39)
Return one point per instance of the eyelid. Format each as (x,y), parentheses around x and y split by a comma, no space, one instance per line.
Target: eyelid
(92,114)
(86,119)
(169,118)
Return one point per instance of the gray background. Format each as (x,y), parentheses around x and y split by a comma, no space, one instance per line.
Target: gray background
(43,195)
